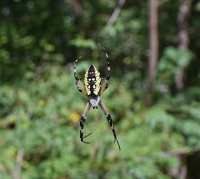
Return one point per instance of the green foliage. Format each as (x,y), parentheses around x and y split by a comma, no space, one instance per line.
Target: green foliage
(53,151)
(172,61)
(40,107)
(83,43)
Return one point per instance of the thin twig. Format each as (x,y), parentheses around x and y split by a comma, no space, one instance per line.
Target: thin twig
(116,12)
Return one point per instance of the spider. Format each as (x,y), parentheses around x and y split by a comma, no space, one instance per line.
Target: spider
(93,87)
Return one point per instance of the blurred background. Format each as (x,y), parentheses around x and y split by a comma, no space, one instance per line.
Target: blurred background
(154,95)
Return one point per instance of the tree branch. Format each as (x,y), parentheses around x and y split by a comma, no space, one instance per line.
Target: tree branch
(116,12)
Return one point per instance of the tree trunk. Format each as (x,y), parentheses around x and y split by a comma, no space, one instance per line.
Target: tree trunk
(153,42)
(153,47)
(183,38)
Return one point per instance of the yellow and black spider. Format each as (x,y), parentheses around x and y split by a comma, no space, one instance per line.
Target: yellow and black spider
(93,87)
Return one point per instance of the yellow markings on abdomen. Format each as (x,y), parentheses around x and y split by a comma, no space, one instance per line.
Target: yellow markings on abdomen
(87,86)
(92,82)
(97,83)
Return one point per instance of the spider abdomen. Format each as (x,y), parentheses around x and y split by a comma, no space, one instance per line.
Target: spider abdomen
(92,81)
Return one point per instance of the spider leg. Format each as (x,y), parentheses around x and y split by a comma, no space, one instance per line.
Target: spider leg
(78,82)
(82,121)
(108,69)
(110,122)
(104,85)
(105,80)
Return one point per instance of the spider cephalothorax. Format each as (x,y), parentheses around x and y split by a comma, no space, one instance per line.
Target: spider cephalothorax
(93,87)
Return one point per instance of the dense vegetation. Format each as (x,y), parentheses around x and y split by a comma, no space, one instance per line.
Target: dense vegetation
(40,106)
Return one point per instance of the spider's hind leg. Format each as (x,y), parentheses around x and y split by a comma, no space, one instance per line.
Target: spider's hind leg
(82,121)
(110,122)
(82,136)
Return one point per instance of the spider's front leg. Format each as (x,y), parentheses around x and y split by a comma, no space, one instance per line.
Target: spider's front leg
(78,82)
(106,79)
(110,121)
(82,121)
